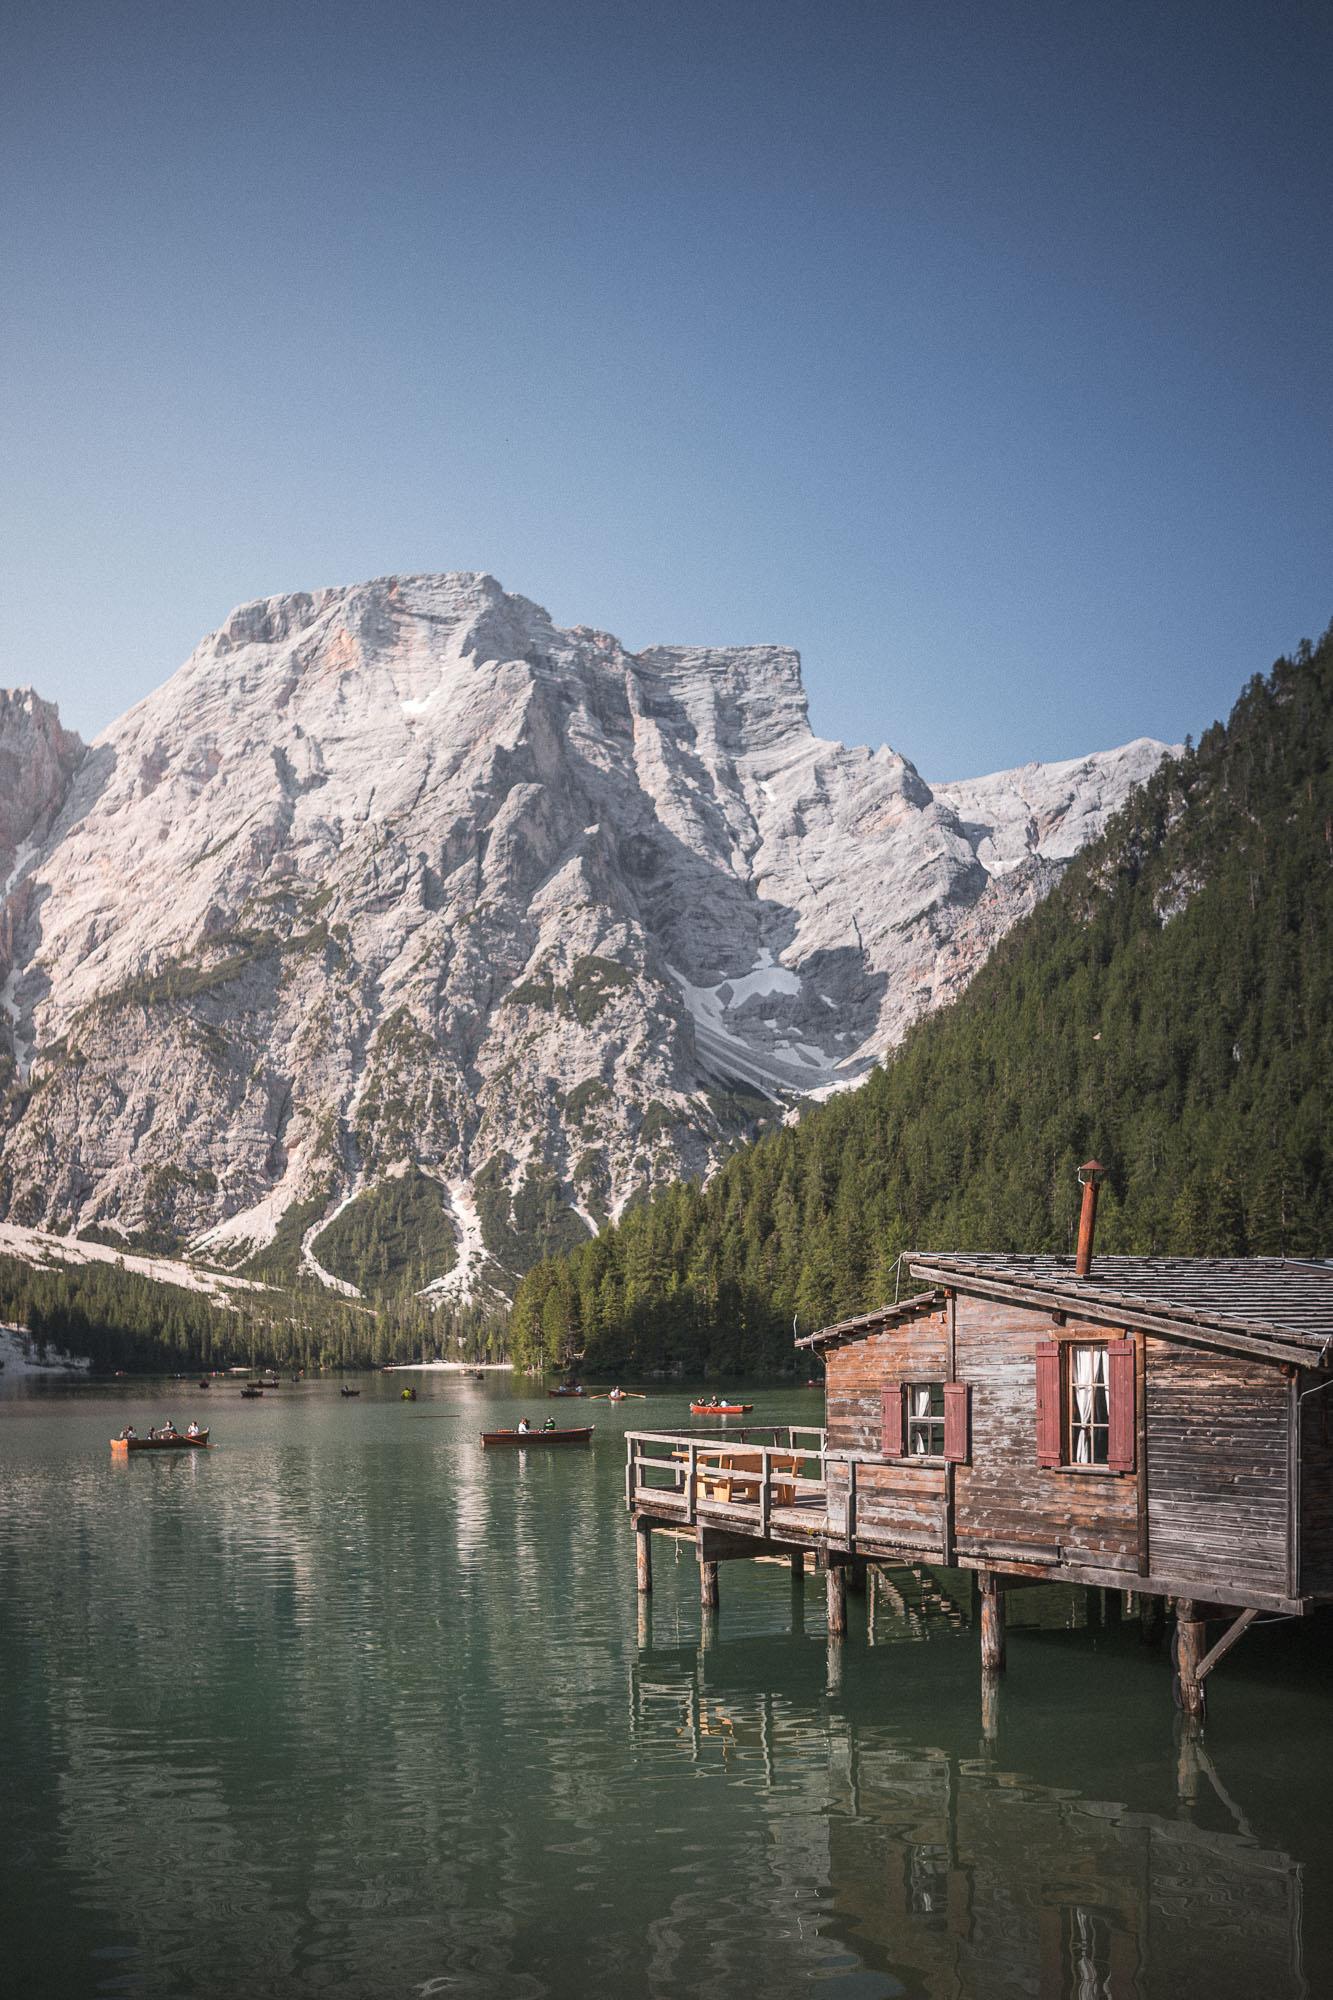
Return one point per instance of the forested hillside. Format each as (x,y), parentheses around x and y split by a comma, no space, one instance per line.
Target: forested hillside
(1169,1008)
(119,1319)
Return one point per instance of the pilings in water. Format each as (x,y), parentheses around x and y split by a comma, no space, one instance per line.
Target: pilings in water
(1191,1645)
(836,1587)
(1192,1659)
(992,1623)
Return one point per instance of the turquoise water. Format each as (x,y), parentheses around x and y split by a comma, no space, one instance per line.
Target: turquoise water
(346,1707)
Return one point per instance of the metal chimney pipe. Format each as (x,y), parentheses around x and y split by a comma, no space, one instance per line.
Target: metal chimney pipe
(1090,1176)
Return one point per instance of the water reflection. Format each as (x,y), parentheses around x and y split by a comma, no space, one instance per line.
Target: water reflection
(350,1709)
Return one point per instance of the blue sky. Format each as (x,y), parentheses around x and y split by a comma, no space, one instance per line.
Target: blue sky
(980,350)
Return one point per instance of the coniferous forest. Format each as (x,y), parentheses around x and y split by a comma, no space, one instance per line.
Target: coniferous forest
(1168,1009)
(119,1319)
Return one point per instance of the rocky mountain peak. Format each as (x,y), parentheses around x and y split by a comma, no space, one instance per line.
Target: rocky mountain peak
(399,900)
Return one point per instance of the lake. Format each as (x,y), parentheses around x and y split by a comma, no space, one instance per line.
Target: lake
(346,1707)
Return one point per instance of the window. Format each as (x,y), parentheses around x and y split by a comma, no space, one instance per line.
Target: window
(925,1420)
(1089,1411)
(1086,1404)
(930,1420)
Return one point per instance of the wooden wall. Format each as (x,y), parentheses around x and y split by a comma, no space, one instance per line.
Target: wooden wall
(1218,1497)
(1005,1502)
(1316,1487)
(898,1505)
(1216,1429)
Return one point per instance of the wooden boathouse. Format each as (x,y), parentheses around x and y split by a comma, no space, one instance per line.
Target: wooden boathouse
(1157,1426)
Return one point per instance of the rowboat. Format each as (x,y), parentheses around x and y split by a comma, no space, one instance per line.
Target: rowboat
(251,1392)
(519,1440)
(567,1389)
(719,1409)
(409,1396)
(345,1391)
(122,1447)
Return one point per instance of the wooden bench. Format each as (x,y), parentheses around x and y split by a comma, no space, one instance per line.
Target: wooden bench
(734,1477)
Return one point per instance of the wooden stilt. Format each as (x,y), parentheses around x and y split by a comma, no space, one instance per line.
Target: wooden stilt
(645,1626)
(1191,1645)
(643,1540)
(856,1577)
(837,1601)
(992,1623)
(708,1596)
(798,1570)
(1152,1619)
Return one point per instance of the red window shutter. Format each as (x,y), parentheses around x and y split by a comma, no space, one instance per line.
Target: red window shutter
(1049,1426)
(1120,1396)
(891,1422)
(957,1422)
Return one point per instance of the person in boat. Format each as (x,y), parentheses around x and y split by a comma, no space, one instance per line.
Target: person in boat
(130,1432)
(549,1425)
(192,1429)
(523,1426)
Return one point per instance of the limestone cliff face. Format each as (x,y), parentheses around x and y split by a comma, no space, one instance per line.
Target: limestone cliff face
(37,762)
(400,886)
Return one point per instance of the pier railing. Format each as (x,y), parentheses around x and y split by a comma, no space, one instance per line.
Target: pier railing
(754,1469)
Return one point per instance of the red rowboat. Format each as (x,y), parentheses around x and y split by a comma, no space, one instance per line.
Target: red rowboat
(123,1446)
(567,1389)
(719,1409)
(518,1440)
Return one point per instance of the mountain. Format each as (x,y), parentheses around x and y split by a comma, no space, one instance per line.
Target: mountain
(403,937)
(1168,1009)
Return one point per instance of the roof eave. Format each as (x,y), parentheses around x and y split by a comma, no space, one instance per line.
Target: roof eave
(1118,1309)
(874,1322)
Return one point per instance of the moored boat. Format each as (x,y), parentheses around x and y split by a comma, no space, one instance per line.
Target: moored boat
(518,1440)
(720,1409)
(178,1442)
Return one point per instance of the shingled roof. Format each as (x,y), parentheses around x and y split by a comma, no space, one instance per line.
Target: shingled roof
(1279,1307)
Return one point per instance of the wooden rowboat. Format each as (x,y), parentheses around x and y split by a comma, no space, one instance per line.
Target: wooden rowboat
(518,1440)
(719,1409)
(251,1392)
(567,1389)
(122,1447)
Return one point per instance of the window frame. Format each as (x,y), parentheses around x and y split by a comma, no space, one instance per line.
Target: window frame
(932,1422)
(1059,1421)
(1097,1428)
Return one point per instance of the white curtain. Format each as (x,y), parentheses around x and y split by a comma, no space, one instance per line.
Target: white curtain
(921,1408)
(1089,1378)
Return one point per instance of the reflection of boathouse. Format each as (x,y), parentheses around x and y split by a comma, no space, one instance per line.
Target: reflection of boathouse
(949,1867)
(1154,1425)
